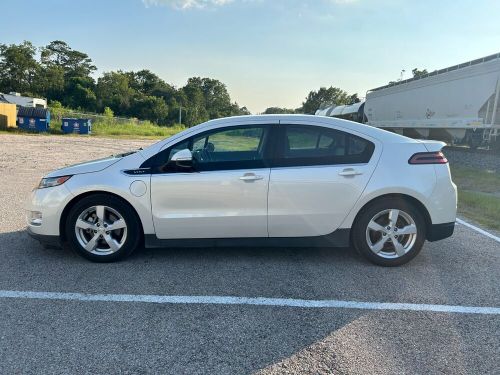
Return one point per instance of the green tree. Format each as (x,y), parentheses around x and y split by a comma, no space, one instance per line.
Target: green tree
(419,73)
(18,68)
(150,108)
(278,111)
(353,99)
(148,83)
(195,106)
(215,95)
(50,82)
(327,96)
(56,110)
(113,91)
(176,102)
(127,94)
(80,93)
(66,75)
(108,112)
(74,63)
(239,111)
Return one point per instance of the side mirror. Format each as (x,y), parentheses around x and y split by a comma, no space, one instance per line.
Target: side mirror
(183,158)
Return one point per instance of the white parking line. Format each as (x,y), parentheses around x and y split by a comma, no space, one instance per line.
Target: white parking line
(255,301)
(479,230)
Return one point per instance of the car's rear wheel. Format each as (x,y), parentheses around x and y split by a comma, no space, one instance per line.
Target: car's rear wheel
(103,228)
(389,232)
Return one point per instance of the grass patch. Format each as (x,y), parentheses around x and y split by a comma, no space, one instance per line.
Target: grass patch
(480,207)
(478,195)
(112,128)
(476,179)
(133,130)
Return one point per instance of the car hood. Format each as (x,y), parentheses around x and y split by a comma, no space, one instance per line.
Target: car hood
(87,167)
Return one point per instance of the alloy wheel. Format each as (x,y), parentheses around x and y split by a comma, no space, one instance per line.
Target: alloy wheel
(391,233)
(101,230)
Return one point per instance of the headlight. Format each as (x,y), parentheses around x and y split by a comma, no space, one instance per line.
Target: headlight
(52,181)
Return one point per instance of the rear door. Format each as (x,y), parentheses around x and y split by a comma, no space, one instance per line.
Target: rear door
(317,176)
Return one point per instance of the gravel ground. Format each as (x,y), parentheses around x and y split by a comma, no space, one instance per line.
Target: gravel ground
(61,337)
(471,159)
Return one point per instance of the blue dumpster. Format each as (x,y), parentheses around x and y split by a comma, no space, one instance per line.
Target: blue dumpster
(76,126)
(33,119)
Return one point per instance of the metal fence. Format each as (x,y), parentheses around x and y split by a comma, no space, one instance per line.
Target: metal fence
(57,115)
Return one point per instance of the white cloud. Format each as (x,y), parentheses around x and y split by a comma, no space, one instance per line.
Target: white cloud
(187,4)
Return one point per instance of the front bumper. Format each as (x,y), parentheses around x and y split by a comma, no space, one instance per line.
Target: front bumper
(44,239)
(438,232)
(49,203)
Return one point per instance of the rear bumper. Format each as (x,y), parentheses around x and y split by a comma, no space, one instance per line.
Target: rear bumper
(438,232)
(46,240)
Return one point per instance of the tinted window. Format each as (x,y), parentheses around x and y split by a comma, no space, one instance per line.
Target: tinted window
(313,145)
(222,149)
(242,144)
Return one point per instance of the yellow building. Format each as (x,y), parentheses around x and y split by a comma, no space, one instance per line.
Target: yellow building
(8,114)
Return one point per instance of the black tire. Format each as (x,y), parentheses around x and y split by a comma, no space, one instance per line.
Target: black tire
(359,233)
(133,227)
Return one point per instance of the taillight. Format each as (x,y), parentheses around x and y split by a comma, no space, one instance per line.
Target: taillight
(428,158)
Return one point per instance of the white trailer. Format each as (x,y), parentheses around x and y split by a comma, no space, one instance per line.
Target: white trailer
(24,101)
(460,103)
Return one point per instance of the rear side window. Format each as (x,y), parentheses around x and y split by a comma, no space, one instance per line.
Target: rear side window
(301,145)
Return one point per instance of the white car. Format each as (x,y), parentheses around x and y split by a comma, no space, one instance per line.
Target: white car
(285,180)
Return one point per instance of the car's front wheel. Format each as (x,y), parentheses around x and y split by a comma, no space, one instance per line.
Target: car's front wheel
(389,232)
(103,228)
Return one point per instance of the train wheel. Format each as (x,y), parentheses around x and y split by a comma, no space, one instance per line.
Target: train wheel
(474,138)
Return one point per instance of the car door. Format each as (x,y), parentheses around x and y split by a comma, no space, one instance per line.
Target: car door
(317,177)
(224,195)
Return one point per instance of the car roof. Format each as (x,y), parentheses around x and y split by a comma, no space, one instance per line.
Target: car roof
(284,119)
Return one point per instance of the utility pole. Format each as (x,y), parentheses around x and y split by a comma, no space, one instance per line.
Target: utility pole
(180,115)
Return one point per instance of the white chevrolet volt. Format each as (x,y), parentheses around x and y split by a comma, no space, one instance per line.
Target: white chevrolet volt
(285,180)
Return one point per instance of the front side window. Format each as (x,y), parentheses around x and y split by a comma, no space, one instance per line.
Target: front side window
(229,145)
(221,149)
(314,145)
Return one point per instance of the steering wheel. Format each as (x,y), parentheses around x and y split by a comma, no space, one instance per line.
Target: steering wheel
(205,155)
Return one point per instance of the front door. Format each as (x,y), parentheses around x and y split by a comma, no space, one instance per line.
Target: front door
(225,193)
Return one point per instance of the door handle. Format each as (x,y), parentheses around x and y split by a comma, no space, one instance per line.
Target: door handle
(251,177)
(348,172)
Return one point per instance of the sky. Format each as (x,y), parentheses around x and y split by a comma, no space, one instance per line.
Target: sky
(267,52)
